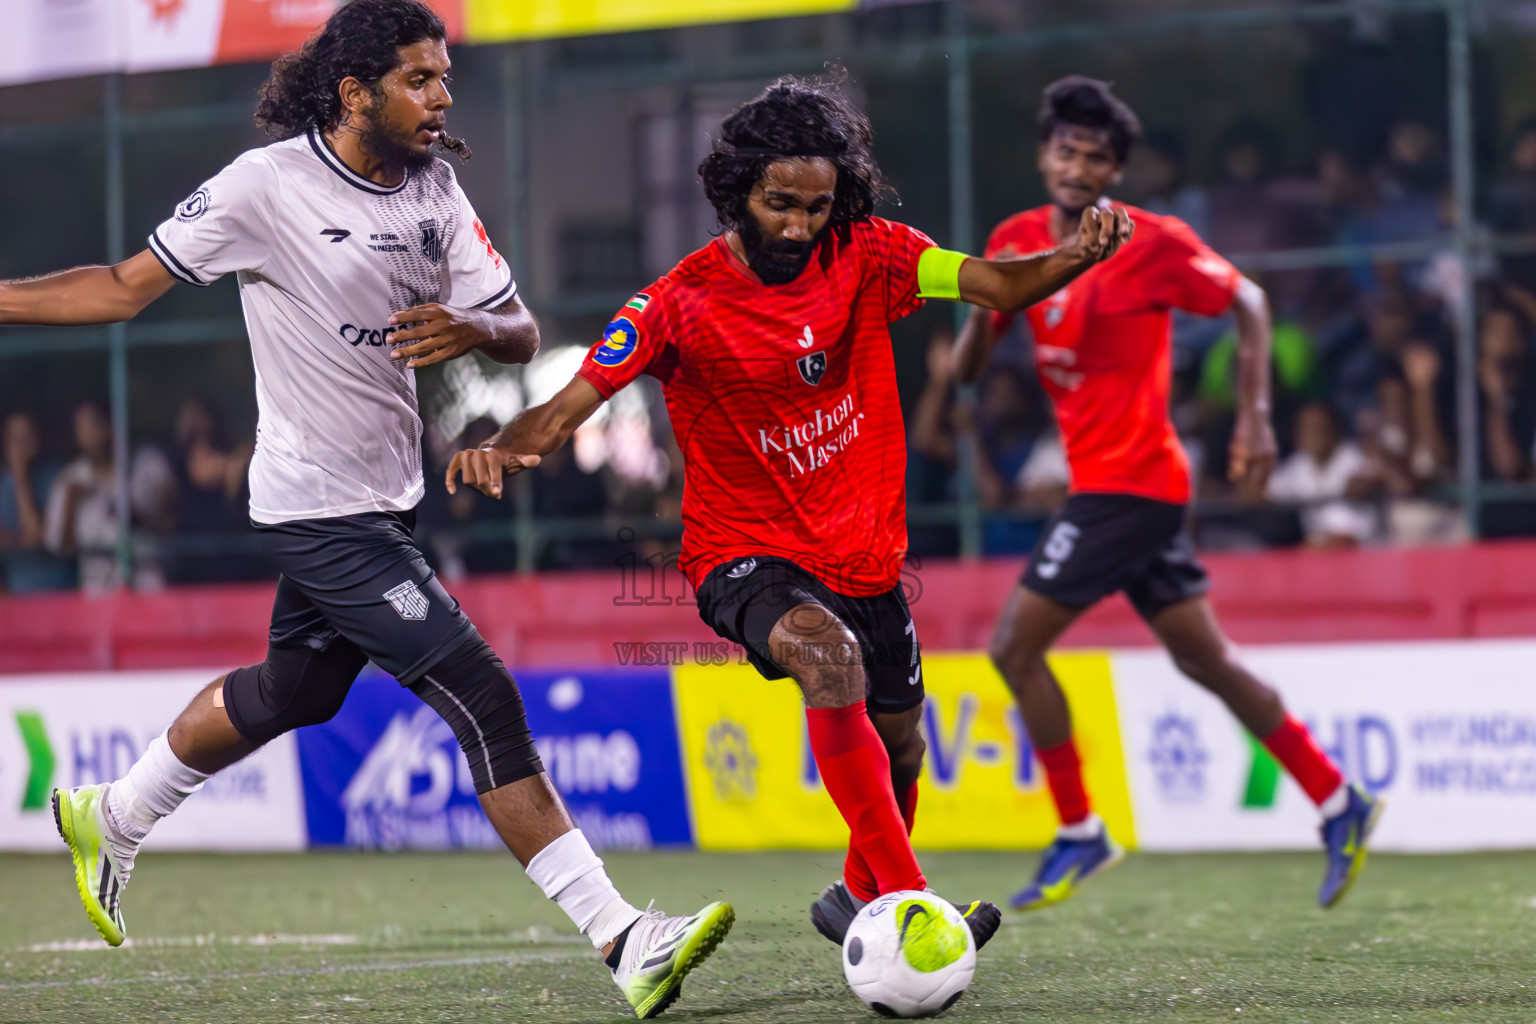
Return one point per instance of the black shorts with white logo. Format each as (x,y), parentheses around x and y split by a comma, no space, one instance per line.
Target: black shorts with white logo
(744,599)
(1097,544)
(362,580)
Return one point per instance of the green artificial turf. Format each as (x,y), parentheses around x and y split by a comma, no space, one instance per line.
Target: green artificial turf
(351,937)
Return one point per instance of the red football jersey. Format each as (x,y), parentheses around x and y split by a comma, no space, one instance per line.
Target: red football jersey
(1104,349)
(783,400)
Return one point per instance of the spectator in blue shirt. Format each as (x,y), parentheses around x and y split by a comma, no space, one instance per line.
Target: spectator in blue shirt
(25,480)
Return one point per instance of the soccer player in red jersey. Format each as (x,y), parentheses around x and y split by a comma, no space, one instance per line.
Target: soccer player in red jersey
(773,348)
(1103,349)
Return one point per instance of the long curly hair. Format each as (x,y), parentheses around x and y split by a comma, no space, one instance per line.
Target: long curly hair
(805,117)
(361,40)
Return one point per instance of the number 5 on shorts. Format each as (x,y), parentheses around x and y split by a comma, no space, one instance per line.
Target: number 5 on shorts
(1058,548)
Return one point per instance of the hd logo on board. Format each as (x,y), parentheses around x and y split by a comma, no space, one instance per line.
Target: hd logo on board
(60,730)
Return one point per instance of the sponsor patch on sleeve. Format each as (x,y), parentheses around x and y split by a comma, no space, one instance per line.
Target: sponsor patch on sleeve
(194,206)
(620,339)
(485,240)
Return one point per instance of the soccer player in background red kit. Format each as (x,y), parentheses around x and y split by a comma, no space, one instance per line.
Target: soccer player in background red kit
(772,345)
(1103,348)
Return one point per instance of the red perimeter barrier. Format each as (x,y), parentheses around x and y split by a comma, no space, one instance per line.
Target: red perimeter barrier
(599,618)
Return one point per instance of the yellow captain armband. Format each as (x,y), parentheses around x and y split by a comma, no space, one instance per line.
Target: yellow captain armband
(938,274)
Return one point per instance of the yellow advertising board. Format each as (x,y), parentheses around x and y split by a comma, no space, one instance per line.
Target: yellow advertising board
(494,21)
(753,784)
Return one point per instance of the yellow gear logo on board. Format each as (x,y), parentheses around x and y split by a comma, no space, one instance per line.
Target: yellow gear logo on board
(732,764)
(980,764)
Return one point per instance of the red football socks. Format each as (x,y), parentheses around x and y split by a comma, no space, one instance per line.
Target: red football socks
(1296,750)
(1064,774)
(909,806)
(857,773)
(856,874)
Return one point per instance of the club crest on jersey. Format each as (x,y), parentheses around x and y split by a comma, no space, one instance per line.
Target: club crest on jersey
(812,367)
(431,240)
(1056,309)
(193,207)
(409,601)
(620,339)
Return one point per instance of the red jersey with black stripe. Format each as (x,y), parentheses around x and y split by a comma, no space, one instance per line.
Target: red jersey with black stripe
(783,401)
(1104,348)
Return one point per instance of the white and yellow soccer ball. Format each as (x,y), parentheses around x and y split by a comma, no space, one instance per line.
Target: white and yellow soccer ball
(909,954)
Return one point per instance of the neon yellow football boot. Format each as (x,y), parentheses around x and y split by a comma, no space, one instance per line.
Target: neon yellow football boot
(101,867)
(660,951)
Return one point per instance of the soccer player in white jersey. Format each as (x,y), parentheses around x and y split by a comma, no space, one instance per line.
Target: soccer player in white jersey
(359,259)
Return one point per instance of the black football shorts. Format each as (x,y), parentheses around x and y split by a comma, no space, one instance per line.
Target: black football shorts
(742,600)
(1097,544)
(361,580)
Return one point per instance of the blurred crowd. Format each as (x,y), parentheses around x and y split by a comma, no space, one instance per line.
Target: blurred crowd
(1364,362)
(187,500)
(59,507)
(1364,370)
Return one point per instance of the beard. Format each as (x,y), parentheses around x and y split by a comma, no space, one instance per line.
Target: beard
(774,262)
(385,145)
(391,145)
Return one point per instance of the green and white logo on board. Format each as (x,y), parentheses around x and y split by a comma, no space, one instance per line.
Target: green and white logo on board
(40,754)
(1263,778)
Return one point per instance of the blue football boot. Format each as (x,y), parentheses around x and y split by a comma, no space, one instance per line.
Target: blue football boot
(1065,865)
(1345,836)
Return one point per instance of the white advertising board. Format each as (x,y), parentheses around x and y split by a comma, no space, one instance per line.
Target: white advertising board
(1445,731)
(63,730)
(64,38)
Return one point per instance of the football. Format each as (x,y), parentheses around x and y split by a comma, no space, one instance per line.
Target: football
(909,954)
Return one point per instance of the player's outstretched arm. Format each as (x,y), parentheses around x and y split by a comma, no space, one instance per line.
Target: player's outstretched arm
(1011,285)
(86,295)
(1253,449)
(438,333)
(518,446)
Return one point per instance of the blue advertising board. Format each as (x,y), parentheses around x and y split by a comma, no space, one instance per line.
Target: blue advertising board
(387,772)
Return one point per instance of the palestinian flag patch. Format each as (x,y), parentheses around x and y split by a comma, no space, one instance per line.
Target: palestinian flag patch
(638,303)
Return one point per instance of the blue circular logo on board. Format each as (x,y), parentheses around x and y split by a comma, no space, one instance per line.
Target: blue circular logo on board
(620,339)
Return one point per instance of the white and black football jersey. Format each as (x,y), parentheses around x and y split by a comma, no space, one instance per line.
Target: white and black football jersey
(323,256)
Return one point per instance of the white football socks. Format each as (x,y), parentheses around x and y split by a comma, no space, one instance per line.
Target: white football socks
(572,874)
(1090,827)
(1334,803)
(155,786)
